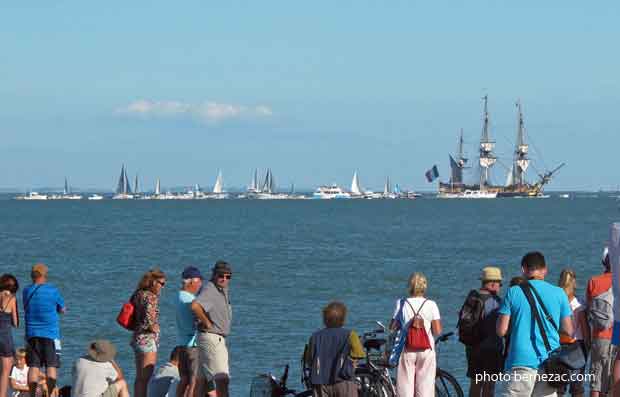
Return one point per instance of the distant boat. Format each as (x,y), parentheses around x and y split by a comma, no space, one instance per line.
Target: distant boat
(330,192)
(253,188)
(32,196)
(123,190)
(516,184)
(469,194)
(356,189)
(218,188)
(565,195)
(95,197)
(66,194)
(268,189)
(387,190)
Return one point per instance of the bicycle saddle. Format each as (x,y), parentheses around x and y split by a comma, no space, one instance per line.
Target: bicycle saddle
(374,343)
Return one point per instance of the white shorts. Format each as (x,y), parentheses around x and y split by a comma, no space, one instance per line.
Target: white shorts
(213,356)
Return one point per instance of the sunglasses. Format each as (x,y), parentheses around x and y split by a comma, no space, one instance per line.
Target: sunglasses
(226,276)
(162,283)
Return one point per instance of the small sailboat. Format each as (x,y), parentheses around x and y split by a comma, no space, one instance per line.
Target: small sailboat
(218,188)
(356,189)
(123,190)
(387,190)
(268,189)
(66,194)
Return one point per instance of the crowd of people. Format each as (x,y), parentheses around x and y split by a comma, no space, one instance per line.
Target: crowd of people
(198,365)
(502,335)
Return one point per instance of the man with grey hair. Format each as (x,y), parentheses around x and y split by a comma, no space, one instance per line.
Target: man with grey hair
(214,313)
(186,331)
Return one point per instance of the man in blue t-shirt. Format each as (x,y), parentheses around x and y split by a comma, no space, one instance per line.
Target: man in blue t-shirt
(42,304)
(527,350)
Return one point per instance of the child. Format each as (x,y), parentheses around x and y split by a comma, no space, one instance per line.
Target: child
(19,375)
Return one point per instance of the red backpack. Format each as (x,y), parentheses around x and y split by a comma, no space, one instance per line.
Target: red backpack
(417,338)
(126,317)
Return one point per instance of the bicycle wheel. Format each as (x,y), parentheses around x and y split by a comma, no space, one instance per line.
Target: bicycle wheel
(446,385)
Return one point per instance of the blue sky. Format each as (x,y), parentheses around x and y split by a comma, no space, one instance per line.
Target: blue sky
(314,90)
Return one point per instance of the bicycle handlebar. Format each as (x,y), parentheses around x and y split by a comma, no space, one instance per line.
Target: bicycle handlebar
(443,337)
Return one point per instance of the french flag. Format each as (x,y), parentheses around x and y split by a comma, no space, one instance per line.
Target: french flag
(432,174)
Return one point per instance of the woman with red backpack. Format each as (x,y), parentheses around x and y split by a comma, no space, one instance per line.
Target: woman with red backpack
(417,320)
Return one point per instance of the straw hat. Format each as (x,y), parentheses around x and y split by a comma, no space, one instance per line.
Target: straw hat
(102,350)
(491,273)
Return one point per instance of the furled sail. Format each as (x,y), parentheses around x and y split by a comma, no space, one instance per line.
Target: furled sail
(386,187)
(254,184)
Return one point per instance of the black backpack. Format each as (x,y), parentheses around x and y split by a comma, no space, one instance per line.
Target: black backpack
(471,332)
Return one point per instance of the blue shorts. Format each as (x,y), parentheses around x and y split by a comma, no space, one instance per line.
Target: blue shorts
(615,336)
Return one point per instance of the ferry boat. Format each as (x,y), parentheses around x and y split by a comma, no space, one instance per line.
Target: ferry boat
(516,184)
(330,192)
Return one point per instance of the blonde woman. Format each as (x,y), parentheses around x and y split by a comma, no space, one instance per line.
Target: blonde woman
(145,339)
(568,282)
(416,368)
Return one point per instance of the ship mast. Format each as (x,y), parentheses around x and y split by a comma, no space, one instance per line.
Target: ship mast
(521,161)
(487,158)
(458,164)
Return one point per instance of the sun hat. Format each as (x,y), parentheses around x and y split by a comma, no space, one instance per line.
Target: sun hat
(491,273)
(40,269)
(102,350)
(222,267)
(191,272)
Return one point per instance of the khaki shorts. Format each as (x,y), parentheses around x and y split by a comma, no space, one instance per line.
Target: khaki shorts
(213,356)
(188,362)
(523,383)
(603,354)
(110,391)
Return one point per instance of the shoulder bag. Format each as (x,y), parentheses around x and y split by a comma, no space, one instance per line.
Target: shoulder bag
(564,360)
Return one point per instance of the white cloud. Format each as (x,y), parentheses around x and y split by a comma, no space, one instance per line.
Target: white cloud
(207,112)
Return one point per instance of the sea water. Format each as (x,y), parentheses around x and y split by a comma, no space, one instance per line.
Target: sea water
(289,259)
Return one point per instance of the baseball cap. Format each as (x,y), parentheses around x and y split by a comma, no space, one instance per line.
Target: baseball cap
(191,272)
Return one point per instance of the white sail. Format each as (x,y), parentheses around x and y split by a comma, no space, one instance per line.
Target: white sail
(218,188)
(355,185)
(157,187)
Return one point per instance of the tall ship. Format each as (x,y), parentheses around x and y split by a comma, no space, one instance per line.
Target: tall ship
(516,182)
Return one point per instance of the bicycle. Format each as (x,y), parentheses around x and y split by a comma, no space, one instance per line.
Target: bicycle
(267,385)
(374,375)
(446,385)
